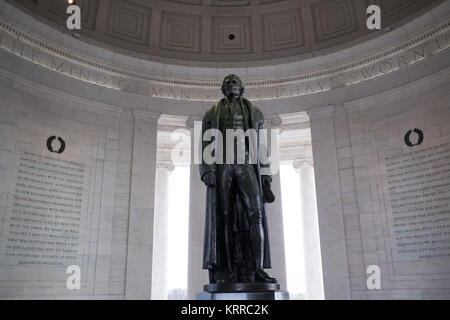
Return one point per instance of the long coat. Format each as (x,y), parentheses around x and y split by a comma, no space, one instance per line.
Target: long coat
(212,239)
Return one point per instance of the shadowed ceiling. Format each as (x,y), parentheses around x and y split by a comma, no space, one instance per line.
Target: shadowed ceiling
(226,30)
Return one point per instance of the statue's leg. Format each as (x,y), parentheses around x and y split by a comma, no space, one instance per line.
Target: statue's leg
(225,179)
(249,190)
(257,239)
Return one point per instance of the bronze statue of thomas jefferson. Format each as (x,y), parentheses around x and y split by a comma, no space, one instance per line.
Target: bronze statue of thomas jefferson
(236,245)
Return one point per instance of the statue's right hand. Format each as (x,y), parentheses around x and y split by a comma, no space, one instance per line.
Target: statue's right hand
(210,180)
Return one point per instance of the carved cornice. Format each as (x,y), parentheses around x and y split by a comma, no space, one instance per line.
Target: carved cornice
(30,47)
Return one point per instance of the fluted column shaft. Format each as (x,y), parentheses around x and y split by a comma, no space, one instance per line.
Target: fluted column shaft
(311,238)
(160,236)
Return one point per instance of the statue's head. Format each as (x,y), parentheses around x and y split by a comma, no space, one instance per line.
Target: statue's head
(232,86)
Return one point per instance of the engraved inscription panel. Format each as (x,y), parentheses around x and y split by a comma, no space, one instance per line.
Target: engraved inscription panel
(419,194)
(46,221)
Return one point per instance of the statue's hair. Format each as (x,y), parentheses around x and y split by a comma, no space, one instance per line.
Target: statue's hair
(232,76)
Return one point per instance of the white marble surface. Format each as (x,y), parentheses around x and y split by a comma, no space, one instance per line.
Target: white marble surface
(28,118)
(355,227)
(311,232)
(140,229)
(161,228)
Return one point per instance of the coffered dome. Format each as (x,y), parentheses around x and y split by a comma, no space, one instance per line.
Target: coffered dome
(226,30)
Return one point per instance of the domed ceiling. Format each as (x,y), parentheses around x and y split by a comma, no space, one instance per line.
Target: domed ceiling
(226,30)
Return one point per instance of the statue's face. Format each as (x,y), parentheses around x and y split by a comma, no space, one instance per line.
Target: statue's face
(232,86)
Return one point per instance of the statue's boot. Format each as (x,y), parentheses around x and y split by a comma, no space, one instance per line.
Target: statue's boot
(228,252)
(262,276)
(257,243)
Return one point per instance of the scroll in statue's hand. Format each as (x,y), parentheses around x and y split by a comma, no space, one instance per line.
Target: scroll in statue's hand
(268,194)
(210,180)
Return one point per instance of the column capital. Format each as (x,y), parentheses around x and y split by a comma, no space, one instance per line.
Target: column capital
(300,163)
(324,112)
(165,165)
(146,116)
(272,121)
(127,114)
(191,120)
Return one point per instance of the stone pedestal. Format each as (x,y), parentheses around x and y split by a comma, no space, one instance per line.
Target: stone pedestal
(269,295)
(242,291)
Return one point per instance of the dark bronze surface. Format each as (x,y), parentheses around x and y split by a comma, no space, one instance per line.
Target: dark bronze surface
(241,287)
(236,247)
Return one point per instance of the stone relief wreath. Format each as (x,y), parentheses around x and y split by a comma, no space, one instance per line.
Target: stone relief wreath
(62,144)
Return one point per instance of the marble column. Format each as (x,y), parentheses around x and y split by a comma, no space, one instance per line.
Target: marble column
(197,277)
(274,211)
(161,225)
(311,237)
(140,229)
(333,248)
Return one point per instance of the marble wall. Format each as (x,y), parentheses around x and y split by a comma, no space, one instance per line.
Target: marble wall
(383,192)
(74,207)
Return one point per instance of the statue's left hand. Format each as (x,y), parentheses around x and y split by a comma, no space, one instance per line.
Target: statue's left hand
(266,180)
(268,194)
(210,180)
